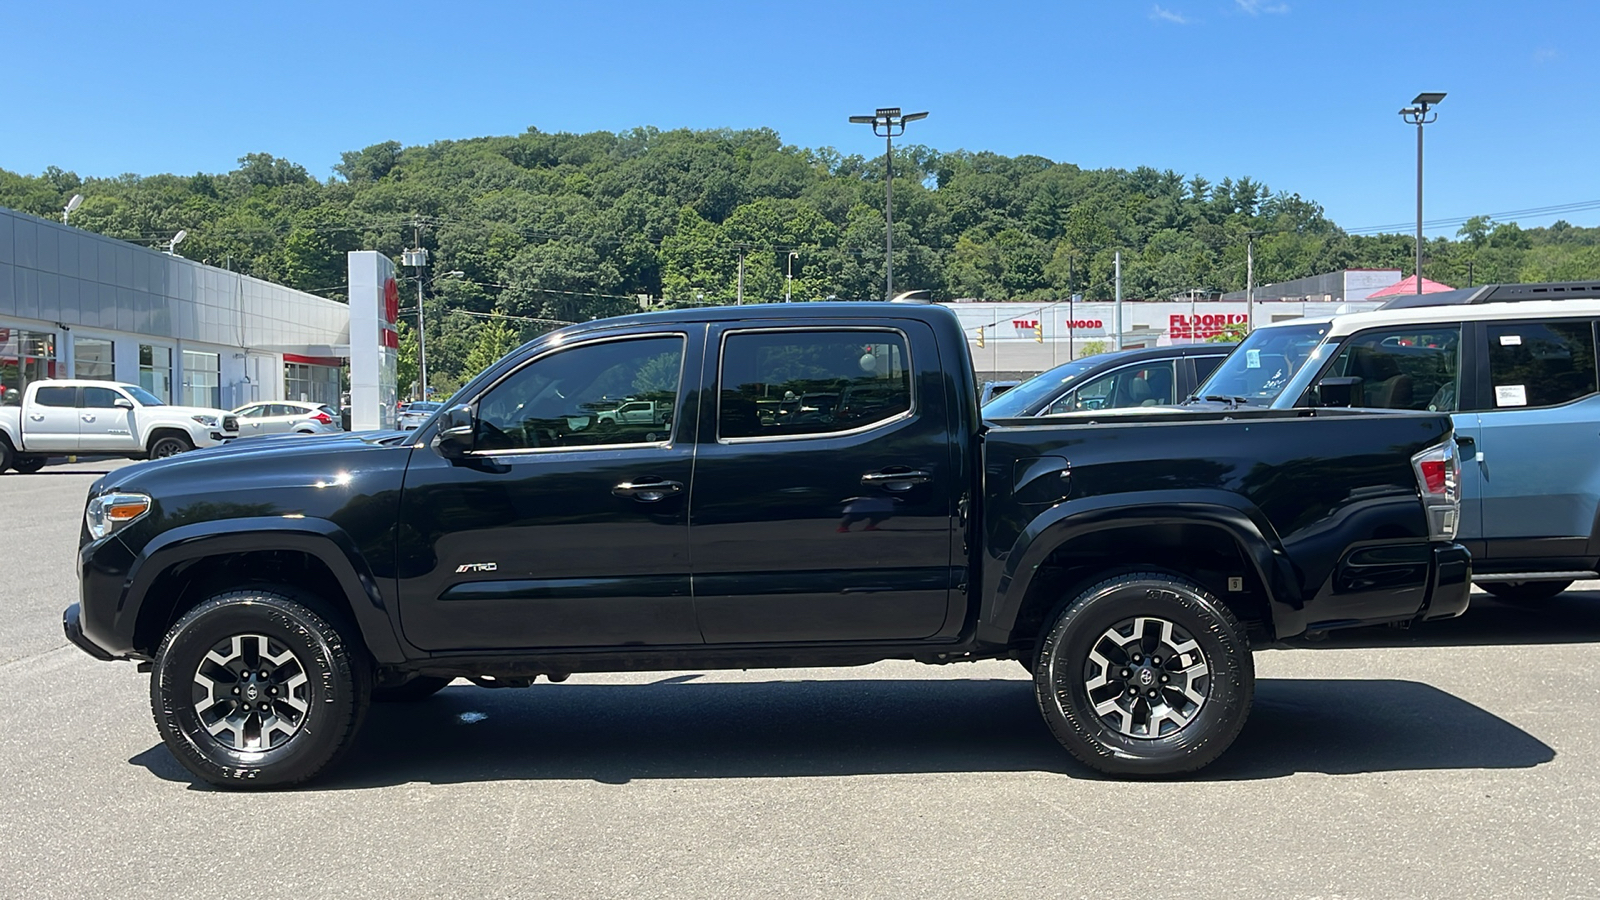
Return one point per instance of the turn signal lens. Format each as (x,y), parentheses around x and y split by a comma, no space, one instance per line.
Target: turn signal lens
(108,513)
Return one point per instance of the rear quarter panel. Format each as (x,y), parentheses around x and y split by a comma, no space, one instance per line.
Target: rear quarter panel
(1317,491)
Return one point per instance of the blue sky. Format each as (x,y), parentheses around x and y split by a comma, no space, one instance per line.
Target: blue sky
(1301,94)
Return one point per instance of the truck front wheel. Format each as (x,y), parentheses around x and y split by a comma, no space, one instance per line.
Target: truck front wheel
(169,446)
(1145,674)
(252,689)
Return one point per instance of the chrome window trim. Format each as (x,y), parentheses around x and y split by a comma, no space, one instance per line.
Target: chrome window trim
(683,357)
(911,381)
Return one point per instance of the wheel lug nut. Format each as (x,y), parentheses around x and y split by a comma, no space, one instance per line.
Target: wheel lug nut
(1136,657)
(236,690)
(1126,673)
(1152,693)
(1155,660)
(1133,690)
(1163,679)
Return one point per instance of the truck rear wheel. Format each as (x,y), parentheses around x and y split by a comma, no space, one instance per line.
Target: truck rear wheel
(6,456)
(1145,674)
(252,689)
(28,465)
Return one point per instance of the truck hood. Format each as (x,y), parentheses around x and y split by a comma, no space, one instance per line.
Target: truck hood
(184,412)
(308,453)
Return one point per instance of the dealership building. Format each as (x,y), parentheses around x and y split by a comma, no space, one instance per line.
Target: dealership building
(81,305)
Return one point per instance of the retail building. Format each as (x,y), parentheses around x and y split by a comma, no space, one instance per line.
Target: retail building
(78,304)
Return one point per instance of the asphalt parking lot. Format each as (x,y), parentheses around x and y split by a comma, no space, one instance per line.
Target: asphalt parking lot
(1457,759)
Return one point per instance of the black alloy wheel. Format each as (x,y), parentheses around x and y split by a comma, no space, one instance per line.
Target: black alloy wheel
(6,456)
(169,446)
(1145,674)
(252,689)
(1525,593)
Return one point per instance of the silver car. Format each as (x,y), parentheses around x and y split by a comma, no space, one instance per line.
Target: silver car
(414,414)
(286,417)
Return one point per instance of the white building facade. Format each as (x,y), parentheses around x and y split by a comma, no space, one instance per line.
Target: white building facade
(81,305)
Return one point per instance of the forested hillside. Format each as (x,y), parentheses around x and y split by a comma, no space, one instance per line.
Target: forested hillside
(569,227)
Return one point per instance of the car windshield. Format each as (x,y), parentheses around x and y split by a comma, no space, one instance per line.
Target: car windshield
(1259,369)
(428,407)
(144,397)
(1037,391)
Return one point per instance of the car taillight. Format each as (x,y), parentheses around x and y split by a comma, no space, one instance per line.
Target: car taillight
(324,418)
(1438,470)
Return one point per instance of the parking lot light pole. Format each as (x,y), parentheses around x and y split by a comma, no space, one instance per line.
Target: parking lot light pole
(1417,114)
(888,124)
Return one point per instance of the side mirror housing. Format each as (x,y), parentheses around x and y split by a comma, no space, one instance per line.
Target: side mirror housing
(1340,393)
(457,431)
(122,403)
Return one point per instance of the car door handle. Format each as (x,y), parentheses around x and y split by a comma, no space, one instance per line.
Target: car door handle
(37,417)
(648,491)
(896,479)
(88,418)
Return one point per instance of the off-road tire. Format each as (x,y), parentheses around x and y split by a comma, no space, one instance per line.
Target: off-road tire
(170,445)
(419,688)
(1525,593)
(1064,668)
(28,465)
(335,689)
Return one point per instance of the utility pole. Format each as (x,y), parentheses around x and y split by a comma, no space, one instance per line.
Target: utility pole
(1418,115)
(739,298)
(1119,298)
(418,258)
(888,124)
(788,287)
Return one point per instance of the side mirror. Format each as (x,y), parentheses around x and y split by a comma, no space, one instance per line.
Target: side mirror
(457,430)
(1340,393)
(122,403)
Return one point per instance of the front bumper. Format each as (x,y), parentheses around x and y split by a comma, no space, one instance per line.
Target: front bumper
(72,624)
(1451,590)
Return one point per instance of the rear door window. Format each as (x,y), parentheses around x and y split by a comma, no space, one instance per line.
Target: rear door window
(794,382)
(1534,364)
(56,396)
(1404,367)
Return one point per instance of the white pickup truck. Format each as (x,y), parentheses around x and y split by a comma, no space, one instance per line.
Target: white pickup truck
(102,418)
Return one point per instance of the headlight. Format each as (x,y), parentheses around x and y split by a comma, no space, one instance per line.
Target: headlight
(207,421)
(108,513)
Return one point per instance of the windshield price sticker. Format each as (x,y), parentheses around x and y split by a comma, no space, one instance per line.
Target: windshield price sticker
(1252,359)
(1510,395)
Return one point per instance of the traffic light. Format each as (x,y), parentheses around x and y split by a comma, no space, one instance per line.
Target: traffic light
(1038,330)
(980,335)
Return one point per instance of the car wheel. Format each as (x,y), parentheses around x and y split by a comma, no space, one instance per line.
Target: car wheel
(419,688)
(1525,593)
(1145,674)
(252,689)
(28,465)
(169,446)
(6,456)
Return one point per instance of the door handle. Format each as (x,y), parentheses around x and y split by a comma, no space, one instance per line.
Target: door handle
(37,417)
(896,479)
(648,491)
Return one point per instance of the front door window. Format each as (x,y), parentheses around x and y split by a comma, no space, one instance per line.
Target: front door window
(1406,367)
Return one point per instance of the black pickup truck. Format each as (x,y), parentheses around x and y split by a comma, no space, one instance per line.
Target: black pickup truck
(820,492)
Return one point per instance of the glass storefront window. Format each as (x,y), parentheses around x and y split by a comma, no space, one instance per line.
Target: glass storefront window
(92,358)
(155,371)
(311,384)
(202,379)
(25,356)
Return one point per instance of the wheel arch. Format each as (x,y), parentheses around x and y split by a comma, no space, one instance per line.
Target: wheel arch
(1206,540)
(165,431)
(182,567)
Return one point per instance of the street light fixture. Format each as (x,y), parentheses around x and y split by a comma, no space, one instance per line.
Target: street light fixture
(176,240)
(788,287)
(888,124)
(74,203)
(1417,114)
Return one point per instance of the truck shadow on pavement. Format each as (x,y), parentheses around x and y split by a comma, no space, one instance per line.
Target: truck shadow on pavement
(618,733)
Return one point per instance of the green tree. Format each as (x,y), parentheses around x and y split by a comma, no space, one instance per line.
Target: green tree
(495,340)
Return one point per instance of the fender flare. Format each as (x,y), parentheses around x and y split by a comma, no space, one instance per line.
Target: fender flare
(1230,513)
(320,538)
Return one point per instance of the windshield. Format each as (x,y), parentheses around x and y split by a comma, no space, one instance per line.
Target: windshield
(144,397)
(419,407)
(1258,369)
(1038,391)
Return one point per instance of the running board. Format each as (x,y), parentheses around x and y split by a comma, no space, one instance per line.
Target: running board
(1481,577)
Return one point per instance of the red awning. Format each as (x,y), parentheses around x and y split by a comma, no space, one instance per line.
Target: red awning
(1409,286)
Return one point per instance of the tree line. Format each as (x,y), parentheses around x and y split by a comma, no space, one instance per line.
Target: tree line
(567,227)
